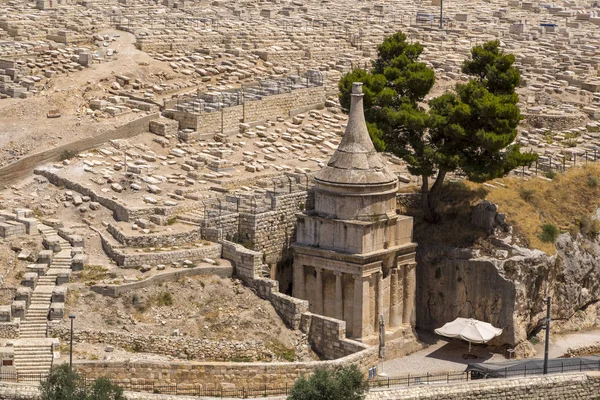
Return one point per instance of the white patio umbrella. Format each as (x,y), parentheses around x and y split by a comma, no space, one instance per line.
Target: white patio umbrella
(471,330)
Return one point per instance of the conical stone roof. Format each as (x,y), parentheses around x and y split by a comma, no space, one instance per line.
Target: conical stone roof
(356,162)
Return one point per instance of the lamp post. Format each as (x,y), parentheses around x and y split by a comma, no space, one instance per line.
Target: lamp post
(441,14)
(547,344)
(72,318)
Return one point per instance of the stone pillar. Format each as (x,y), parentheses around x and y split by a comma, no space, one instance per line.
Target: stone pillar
(319,292)
(395,306)
(362,322)
(299,288)
(339,296)
(408,314)
(378,301)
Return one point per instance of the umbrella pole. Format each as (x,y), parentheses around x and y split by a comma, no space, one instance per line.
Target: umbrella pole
(469,347)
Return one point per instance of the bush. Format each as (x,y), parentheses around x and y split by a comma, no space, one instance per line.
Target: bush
(588,226)
(64,384)
(339,383)
(526,194)
(549,233)
(592,182)
(165,299)
(550,174)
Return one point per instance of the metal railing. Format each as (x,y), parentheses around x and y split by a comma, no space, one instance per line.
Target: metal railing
(199,389)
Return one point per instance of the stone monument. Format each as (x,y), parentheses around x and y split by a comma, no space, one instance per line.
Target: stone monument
(354,258)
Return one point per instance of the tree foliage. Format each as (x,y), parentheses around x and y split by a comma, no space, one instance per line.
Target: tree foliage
(471,129)
(340,383)
(64,384)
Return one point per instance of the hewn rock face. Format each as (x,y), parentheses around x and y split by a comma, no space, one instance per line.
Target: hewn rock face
(509,288)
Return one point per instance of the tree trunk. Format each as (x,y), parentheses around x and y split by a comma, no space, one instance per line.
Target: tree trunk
(429,198)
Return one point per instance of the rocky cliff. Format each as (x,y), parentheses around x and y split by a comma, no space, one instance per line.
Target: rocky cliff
(506,284)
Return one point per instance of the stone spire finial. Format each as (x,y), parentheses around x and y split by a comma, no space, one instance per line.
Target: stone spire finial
(356,161)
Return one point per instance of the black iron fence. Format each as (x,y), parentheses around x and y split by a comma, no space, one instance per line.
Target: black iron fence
(190,389)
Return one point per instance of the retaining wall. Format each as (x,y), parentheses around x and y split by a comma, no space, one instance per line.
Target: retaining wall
(268,108)
(135,259)
(580,386)
(177,346)
(116,290)
(155,240)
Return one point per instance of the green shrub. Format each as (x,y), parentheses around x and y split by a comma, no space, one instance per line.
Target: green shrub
(550,174)
(549,233)
(64,384)
(588,226)
(338,383)
(592,182)
(165,299)
(526,194)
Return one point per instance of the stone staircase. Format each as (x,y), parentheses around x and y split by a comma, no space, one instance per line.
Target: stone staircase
(33,358)
(33,351)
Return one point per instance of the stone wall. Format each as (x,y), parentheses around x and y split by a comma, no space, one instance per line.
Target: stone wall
(22,167)
(327,336)
(213,375)
(247,263)
(550,387)
(135,259)
(225,271)
(177,346)
(248,267)
(155,240)
(10,330)
(582,386)
(274,232)
(269,107)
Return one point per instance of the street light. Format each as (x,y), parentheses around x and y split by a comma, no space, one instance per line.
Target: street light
(72,318)
(441,14)
(547,344)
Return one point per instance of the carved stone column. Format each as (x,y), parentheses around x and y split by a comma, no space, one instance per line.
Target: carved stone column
(319,292)
(408,314)
(299,288)
(395,306)
(339,296)
(362,322)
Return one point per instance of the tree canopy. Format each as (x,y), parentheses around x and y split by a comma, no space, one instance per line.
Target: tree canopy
(64,384)
(340,383)
(470,129)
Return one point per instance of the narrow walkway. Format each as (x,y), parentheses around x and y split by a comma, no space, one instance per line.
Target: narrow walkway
(444,356)
(33,350)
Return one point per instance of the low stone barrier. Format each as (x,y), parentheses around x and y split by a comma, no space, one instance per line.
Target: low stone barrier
(135,259)
(10,330)
(177,346)
(225,271)
(582,351)
(194,234)
(579,386)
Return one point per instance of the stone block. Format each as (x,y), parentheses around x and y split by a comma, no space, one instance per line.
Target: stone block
(30,280)
(18,309)
(5,313)
(45,257)
(59,294)
(24,294)
(57,311)
(78,261)
(39,269)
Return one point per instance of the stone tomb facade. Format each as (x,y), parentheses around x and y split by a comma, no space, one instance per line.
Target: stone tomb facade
(354,258)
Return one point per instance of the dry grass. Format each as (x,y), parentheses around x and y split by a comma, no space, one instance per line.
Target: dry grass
(528,204)
(562,202)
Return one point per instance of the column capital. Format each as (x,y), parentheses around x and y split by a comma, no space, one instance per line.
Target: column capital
(338,273)
(319,269)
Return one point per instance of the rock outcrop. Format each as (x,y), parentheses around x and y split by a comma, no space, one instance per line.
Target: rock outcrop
(508,286)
